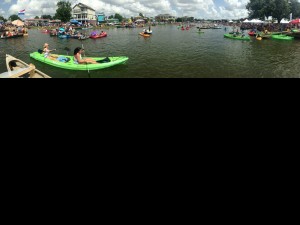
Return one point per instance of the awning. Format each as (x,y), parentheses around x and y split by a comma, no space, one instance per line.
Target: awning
(74,21)
(18,23)
(295,21)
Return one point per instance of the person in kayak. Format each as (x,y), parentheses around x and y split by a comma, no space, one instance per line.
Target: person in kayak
(78,57)
(46,52)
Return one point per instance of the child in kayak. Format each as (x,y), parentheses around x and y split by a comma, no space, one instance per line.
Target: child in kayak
(46,52)
(78,57)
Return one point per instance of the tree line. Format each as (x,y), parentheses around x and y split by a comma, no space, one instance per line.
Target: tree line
(278,9)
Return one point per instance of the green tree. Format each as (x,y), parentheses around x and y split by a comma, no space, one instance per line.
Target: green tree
(36,17)
(278,9)
(64,11)
(46,17)
(3,19)
(111,17)
(141,15)
(179,20)
(14,17)
(257,9)
(282,9)
(295,5)
(119,17)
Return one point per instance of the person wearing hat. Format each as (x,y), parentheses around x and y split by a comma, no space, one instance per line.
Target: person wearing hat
(46,52)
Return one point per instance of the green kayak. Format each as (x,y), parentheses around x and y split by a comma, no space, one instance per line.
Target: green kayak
(282,37)
(231,36)
(72,66)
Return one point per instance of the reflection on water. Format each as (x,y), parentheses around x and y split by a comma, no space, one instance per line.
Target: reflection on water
(168,53)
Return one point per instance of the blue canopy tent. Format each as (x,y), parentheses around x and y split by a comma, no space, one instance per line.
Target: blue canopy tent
(74,21)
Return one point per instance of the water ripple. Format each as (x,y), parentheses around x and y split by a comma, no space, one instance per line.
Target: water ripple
(168,53)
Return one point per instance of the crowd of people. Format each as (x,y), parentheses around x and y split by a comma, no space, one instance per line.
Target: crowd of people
(271,27)
(12,30)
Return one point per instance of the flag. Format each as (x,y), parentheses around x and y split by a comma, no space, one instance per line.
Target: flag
(22,12)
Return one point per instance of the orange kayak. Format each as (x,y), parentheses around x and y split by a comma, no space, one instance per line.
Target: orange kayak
(145,35)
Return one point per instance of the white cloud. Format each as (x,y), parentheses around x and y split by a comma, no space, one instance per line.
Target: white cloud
(234,9)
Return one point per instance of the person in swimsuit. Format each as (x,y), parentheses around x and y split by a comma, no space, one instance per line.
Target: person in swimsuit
(78,57)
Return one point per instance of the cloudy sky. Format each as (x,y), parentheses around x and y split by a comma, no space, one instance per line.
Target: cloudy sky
(227,9)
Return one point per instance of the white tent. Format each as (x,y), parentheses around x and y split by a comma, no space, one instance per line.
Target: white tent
(230,21)
(246,21)
(256,21)
(284,21)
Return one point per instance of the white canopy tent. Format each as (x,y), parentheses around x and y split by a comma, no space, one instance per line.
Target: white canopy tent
(284,21)
(246,21)
(256,21)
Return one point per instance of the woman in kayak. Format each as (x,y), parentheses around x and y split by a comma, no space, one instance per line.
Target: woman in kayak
(78,57)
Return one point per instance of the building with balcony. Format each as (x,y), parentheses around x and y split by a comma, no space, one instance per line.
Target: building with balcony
(165,18)
(84,14)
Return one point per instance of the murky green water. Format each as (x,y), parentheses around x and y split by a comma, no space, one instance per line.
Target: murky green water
(168,53)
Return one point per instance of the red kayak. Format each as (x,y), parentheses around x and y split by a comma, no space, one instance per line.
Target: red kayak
(99,36)
(46,31)
(252,33)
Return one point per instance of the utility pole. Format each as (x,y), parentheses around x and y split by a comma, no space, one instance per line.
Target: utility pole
(291,15)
